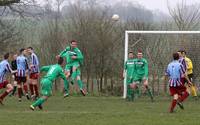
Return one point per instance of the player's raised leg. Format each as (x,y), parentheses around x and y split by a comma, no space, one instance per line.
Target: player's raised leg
(68,70)
(9,89)
(4,68)
(46,86)
(53,72)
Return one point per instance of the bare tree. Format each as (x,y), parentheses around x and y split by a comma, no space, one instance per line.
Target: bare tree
(8,2)
(14,15)
(185,16)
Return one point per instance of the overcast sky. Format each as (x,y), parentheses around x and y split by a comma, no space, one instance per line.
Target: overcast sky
(149,4)
(162,4)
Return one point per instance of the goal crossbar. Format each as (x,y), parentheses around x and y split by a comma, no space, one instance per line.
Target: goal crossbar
(147,32)
(162,32)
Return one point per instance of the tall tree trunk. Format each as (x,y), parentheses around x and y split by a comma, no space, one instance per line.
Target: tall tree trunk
(105,83)
(111,87)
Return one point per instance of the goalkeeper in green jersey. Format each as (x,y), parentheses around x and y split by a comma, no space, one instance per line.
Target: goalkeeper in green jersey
(129,71)
(141,74)
(74,58)
(53,72)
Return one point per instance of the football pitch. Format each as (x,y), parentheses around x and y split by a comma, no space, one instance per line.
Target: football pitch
(78,110)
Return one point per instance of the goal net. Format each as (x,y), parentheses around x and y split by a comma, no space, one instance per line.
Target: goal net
(157,48)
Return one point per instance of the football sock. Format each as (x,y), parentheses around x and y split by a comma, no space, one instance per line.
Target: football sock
(184,96)
(149,92)
(137,91)
(80,84)
(40,101)
(128,91)
(31,89)
(74,75)
(173,105)
(20,92)
(36,90)
(14,90)
(66,87)
(25,88)
(4,95)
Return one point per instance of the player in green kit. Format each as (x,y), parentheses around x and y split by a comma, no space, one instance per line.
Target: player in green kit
(129,70)
(53,72)
(141,74)
(74,58)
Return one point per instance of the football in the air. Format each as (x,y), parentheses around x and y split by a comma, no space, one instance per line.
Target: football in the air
(115,17)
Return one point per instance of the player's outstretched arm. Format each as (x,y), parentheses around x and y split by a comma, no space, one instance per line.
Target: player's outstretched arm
(45,68)
(10,69)
(63,53)
(146,69)
(186,77)
(79,55)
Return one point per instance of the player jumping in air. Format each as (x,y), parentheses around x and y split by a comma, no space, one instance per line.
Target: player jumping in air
(175,71)
(74,58)
(53,72)
(129,70)
(22,68)
(4,68)
(34,73)
(141,74)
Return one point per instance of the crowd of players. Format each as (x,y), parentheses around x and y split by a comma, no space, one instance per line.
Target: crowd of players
(26,65)
(179,72)
(20,68)
(26,71)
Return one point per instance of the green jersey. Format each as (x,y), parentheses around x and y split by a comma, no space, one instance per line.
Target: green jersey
(141,67)
(69,52)
(129,67)
(53,72)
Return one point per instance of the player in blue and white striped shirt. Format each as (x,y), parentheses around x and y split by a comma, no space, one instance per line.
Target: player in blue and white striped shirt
(22,68)
(4,69)
(176,71)
(34,73)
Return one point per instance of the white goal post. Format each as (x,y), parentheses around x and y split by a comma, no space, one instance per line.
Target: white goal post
(147,32)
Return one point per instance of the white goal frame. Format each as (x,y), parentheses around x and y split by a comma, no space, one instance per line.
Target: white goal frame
(147,32)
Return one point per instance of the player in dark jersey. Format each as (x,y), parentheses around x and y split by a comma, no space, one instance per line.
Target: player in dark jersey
(14,67)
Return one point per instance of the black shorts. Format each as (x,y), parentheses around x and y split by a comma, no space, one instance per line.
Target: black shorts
(190,76)
(15,76)
(21,80)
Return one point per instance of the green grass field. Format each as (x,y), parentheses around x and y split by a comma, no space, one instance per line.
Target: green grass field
(88,110)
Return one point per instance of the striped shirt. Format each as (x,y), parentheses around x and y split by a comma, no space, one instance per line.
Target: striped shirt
(34,63)
(4,68)
(183,62)
(22,66)
(175,71)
